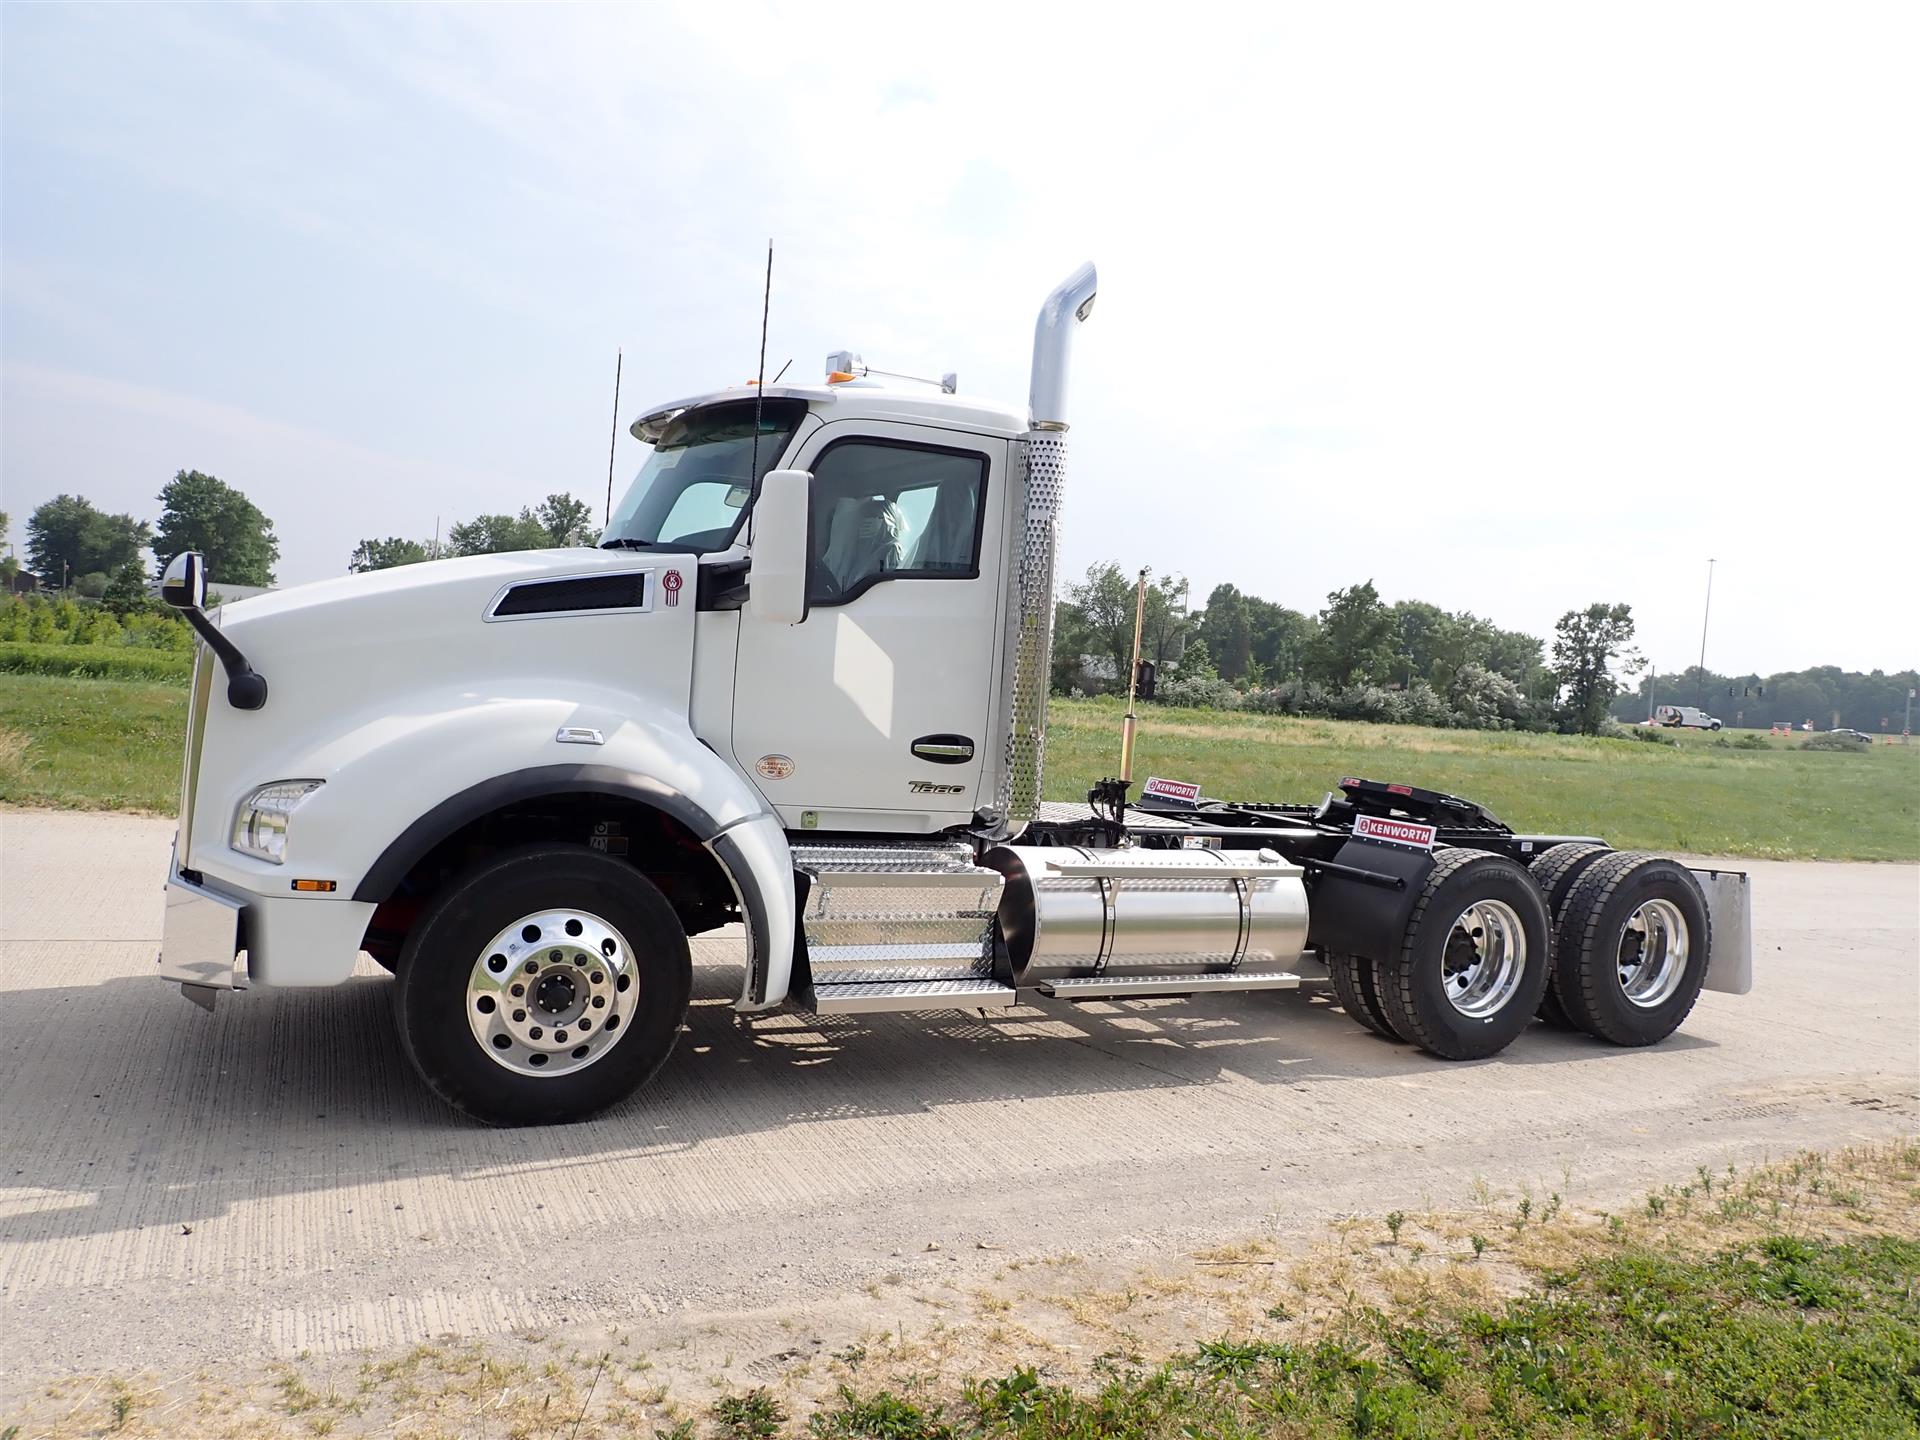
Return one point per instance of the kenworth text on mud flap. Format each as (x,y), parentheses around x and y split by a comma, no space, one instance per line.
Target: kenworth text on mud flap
(802,686)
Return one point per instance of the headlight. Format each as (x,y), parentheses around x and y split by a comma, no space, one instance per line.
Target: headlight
(260,826)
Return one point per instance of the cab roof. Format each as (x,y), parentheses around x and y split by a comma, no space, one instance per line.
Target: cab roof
(865,399)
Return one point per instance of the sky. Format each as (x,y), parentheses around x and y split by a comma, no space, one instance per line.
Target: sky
(1508,308)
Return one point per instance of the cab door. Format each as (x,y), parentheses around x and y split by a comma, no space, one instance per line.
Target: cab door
(873,713)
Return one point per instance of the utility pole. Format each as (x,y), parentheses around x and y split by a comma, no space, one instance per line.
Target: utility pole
(1703,635)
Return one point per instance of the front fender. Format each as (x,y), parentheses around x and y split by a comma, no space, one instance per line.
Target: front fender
(408,775)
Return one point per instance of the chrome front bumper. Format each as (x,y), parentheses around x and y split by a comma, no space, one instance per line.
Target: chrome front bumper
(201,941)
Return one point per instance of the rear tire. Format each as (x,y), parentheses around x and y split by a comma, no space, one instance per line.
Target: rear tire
(1632,949)
(542,985)
(1353,985)
(1474,960)
(1555,870)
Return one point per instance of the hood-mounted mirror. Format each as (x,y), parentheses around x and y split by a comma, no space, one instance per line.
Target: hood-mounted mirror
(183,585)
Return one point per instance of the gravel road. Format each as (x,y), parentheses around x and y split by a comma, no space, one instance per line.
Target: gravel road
(180,1189)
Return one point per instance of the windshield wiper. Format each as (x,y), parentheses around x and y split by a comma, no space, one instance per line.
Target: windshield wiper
(626,542)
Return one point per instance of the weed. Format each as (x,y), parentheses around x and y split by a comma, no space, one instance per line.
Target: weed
(1629,1342)
(881,1416)
(755,1415)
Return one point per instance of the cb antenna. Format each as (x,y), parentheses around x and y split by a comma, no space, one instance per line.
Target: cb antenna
(760,379)
(613,439)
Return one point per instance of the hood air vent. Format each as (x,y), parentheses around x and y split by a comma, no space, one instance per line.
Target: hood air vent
(572,596)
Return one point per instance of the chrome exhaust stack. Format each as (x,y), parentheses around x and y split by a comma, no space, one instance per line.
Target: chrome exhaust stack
(1041,468)
(1069,304)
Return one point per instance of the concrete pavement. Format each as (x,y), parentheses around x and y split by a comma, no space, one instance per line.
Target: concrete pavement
(180,1189)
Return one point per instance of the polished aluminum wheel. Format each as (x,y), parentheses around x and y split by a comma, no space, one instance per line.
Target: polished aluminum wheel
(550,993)
(1485,960)
(1653,953)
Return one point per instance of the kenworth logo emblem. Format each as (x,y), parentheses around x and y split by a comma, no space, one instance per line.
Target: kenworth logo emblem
(1395,832)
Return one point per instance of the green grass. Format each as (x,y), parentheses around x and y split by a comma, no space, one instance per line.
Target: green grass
(91,744)
(110,744)
(98,662)
(1788,1337)
(1777,802)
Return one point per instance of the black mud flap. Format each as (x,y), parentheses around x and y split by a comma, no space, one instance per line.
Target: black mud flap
(1357,916)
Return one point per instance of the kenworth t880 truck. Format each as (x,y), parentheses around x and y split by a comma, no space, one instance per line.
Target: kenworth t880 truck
(801,686)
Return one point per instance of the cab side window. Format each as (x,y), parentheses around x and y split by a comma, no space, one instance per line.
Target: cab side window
(890,511)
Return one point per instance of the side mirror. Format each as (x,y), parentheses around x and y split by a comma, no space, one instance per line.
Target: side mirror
(184,584)
(782,547)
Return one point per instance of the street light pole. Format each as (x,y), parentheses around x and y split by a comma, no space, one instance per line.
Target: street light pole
(1707,611)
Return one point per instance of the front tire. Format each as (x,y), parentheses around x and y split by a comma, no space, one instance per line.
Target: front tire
(542,985)
(1473,963)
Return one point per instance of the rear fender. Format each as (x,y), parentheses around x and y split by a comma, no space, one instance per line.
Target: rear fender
(1353,917)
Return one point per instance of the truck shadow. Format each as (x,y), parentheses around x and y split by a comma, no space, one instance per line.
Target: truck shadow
(167,1115)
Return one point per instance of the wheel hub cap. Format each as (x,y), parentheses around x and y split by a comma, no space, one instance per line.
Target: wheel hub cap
(1653,953)
(552,992)
(1485,959)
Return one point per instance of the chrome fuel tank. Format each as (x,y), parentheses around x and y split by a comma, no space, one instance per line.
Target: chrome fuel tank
(1070,912)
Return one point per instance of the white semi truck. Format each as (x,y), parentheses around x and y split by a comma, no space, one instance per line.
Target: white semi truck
(801,686)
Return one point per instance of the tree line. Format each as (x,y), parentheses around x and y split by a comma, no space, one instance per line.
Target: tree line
(1825,696)
(74,546)
(558,520)
(1355,658)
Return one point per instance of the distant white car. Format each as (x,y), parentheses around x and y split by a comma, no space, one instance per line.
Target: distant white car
(1685,717)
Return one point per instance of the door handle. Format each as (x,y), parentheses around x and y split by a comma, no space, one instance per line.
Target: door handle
(943,749)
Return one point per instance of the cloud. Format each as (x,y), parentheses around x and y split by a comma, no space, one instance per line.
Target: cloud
(1511,308)
(320,490)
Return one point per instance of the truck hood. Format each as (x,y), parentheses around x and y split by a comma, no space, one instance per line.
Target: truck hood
(362,662)
(409,586)
(386,633)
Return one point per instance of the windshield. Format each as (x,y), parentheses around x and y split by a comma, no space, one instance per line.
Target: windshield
(694,488)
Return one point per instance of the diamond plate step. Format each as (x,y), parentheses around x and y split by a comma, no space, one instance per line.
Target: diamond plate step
(913,912)
(1102,987)
(865,998)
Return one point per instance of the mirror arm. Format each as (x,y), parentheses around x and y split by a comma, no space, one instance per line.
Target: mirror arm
(246,687)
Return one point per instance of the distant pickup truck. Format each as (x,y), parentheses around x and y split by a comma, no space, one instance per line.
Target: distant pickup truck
(1685,717)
